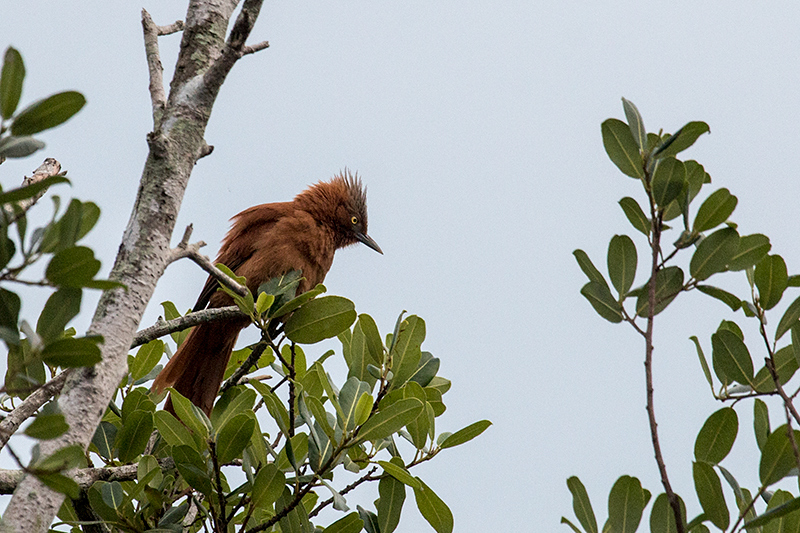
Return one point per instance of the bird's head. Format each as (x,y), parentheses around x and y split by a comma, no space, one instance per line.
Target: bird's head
(341,203)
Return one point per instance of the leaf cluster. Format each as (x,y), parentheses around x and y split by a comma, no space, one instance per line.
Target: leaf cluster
(18,127)
(670,188)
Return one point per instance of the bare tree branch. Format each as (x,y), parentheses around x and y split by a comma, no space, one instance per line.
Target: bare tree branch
(85,477)
(252,49)
(48,169)
(204,61)
(175,27)
(156,69)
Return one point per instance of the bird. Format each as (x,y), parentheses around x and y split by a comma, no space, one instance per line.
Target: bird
(264,242)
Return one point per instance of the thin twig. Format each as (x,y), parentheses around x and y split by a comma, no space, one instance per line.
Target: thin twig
(223,519)
(240,372)
(158,97)
(192,252)
(366,477)
(175,27)
(648,366)
(252,49)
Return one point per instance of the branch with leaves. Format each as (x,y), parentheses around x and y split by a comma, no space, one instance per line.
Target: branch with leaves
(670,187)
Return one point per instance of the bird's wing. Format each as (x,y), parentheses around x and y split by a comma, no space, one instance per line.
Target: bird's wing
(235,251)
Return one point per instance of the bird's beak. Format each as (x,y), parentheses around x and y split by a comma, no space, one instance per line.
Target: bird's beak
(366,239)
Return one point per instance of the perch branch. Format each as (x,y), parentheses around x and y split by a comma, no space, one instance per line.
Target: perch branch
(181,323)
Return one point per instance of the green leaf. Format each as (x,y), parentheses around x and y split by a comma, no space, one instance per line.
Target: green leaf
(603,301)
(319,319)
(731,358)
(132,438)
(703,362)
(581,505)
(635,123)
(662,517)
(112,494)
(268,486)
(365,348)
(234,436)
(391,419)
(72,352)
(350,523)
(172,430)
(9,316)
(743,496)
(731,300)
(715,210)
(192,468)
(778,507)
(104,438)
(709,492)
(752,249)
(588,268)
(668,181)
(716,437)
(622,148)
(785,367)
(47,113)
(405,353)
(761,422)
(789,319)
(625,505)
(392,494)
(622,260)
(466,434)
(72,267)
(433,509)
(714,253)
(771,278)
(146,359)
(61,483)
(399,473)
(777,456)
(426,369)
(683,139)
(189,414)
(19,146)
(296,520)
(62,306)
(29,191)
(11,79)
(635,215)
(47,426)
(233,402)
(669,282)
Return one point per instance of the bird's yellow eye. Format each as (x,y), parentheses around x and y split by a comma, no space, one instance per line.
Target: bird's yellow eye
(354,220)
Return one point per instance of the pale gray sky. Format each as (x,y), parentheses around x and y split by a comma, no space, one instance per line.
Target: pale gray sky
(476,126)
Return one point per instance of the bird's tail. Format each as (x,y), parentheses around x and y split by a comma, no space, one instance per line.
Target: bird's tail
(197,368)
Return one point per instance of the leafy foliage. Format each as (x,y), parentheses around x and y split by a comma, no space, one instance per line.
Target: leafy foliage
(715,247)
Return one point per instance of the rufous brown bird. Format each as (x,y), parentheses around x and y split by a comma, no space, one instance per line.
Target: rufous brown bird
(264,242)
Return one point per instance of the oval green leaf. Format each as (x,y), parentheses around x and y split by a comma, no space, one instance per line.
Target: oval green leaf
(622,260)
(715,210)
(71,352)
(668,181)
(391,419)
(731,358)
(47,113)
(777,456)
(709,492)
(319,319)
(716,437)
(11,80)
(622,148)
(603,301)
(635,215)
(714,253)
(466,434)
(771,278)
